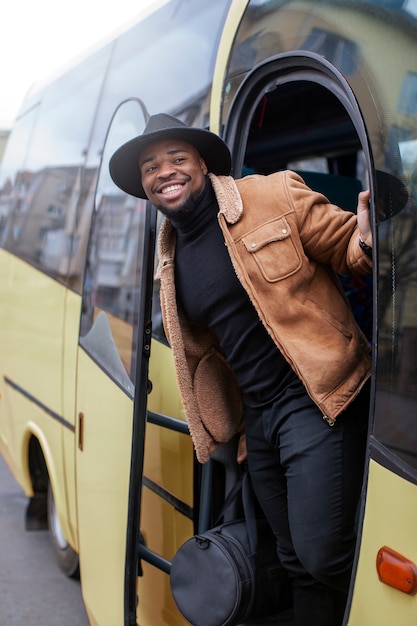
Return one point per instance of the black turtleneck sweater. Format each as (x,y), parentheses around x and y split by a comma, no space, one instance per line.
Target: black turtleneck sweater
(211,295)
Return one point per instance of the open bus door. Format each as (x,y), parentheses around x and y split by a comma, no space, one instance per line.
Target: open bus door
(112,379)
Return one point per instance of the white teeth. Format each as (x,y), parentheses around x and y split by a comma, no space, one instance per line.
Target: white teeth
(171,189)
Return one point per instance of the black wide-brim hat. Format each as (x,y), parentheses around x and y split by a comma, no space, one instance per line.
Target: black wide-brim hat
(124,164)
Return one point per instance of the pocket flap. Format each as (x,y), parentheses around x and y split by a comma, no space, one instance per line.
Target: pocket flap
(267,233)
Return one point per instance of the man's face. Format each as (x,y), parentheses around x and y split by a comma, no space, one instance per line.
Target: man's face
(173,175)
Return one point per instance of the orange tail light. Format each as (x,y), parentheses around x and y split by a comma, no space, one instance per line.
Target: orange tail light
(397,571)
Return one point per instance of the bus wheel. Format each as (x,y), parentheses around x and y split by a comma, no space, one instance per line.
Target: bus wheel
(67,558)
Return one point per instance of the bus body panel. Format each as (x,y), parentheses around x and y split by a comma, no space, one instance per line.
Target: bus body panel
(5,424)
(33,309)
(69,438)
(191,65)
(390,514)
(103,463)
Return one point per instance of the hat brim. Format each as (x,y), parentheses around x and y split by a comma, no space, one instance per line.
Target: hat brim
(124,164)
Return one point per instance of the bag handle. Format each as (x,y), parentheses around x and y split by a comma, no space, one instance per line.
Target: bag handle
(243,490)
(233,498)
(248,501)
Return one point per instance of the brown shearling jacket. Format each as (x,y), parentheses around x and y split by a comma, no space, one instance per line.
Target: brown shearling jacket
(286,243)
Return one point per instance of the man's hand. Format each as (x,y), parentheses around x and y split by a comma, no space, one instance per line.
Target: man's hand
(364,221)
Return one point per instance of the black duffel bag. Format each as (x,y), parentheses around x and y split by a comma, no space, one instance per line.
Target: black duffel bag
(230,574)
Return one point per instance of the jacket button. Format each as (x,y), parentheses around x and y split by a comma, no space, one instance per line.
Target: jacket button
(284,231)
(253,245)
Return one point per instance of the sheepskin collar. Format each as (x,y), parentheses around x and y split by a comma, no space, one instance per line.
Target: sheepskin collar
(228,197)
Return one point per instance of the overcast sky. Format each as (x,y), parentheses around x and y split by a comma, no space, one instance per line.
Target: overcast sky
(40,36)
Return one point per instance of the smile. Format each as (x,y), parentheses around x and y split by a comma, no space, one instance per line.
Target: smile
(171,189)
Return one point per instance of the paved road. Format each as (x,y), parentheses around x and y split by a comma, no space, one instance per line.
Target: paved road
(33,591)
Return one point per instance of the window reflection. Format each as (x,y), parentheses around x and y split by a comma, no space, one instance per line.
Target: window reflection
(407,102)
(396,401)
(47,194)
(340,51)
(139,64)
(114,261)
(15,180)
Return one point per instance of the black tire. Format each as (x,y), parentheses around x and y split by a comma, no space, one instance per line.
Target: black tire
(67,558)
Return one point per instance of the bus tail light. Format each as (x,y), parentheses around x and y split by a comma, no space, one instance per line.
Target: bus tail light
(397,571)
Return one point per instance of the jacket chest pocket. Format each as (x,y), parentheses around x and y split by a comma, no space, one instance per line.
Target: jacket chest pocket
(273,250)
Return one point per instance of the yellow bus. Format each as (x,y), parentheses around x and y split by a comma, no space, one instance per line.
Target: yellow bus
(91,425)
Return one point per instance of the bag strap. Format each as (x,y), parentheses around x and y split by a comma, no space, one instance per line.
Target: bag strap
(232,498)
(243,489)
(249,510)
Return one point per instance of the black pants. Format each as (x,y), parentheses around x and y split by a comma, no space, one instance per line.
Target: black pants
(307,476)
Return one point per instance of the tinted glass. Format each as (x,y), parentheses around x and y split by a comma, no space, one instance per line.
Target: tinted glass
(14,180)
(114,261)
(396,401)
(167,61)
(52,189)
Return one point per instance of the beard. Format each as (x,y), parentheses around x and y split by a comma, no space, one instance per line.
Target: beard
(185,209)
(181,212)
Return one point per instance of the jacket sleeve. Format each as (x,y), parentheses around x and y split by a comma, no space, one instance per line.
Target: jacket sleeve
(328,234)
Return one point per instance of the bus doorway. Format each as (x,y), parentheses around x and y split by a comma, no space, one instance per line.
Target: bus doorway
(297,112)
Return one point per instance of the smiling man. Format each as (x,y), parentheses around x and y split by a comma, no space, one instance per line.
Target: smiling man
(174,175)
(264,341)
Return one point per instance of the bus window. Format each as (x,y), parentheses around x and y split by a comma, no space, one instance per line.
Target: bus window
(52,183)
(15,180)
(113,268)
